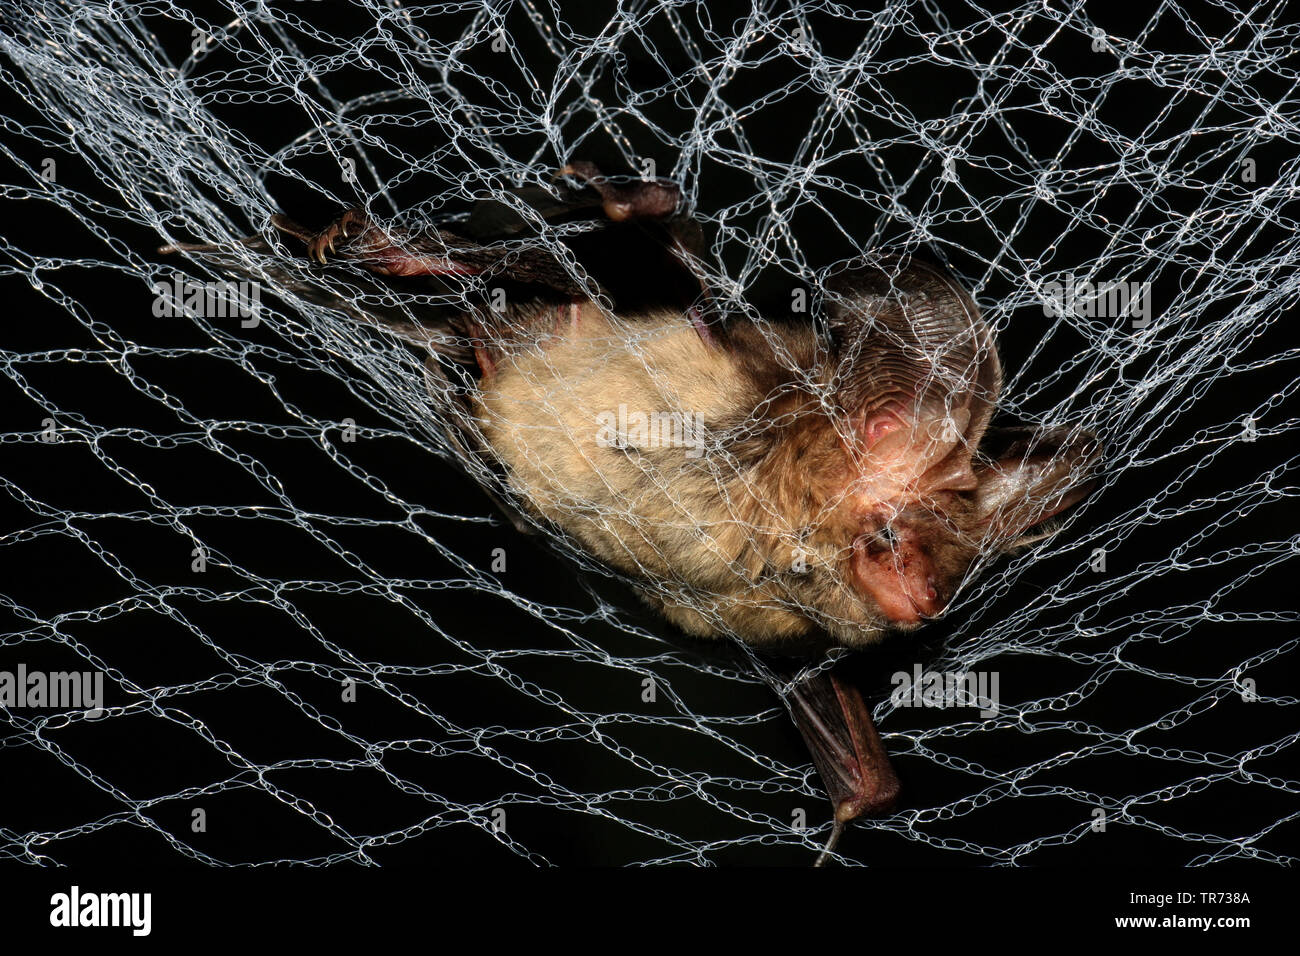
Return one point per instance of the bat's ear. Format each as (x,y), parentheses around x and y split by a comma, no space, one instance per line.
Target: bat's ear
(910,347)
(1033,476)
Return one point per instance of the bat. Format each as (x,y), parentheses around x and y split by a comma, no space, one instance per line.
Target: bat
(797,484)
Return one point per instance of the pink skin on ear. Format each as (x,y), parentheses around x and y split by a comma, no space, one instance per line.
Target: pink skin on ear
(896,456)
(884,422)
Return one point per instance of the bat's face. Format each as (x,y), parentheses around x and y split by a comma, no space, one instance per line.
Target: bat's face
(896,533)
(901,486)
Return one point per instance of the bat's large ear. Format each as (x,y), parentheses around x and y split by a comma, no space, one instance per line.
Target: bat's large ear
(914,360)
(1033,476)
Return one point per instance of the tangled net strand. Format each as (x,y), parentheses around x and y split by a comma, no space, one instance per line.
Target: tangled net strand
(318,631)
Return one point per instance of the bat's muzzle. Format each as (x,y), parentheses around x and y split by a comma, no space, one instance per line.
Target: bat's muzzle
(900,579)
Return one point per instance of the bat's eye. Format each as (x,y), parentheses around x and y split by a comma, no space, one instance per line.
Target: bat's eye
(887,537)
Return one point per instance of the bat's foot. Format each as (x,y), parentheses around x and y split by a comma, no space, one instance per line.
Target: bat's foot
(350,236)
(351,228)
(355,238)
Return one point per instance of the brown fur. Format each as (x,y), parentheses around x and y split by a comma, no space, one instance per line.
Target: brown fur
(717,538)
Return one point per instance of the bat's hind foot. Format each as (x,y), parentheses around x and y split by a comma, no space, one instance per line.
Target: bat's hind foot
(352,229)
(355,238)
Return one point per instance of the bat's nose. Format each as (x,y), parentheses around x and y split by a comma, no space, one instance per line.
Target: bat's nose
(931,603)
(923,595)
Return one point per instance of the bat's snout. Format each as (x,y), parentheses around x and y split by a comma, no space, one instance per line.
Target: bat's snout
(899,579)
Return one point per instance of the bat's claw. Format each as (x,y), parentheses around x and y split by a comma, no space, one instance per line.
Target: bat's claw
(331,240)
(353,222)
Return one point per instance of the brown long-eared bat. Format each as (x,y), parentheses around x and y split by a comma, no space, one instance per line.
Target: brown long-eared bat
(785,482)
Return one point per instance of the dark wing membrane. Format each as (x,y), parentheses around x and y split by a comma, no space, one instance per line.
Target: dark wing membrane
(629,237)
(625,243)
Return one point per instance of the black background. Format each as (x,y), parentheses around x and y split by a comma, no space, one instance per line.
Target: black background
(144,756)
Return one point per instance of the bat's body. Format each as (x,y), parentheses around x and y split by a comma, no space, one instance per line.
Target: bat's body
(733,496)
(776,481)
(643,499)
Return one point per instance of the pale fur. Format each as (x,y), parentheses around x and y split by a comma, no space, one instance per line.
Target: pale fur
(718,536)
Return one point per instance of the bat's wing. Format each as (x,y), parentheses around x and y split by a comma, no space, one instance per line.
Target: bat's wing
(846,749)
(492,219)
(624,242)
(624,238)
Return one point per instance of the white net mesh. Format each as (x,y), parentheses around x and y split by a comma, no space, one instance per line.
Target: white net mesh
(317,630)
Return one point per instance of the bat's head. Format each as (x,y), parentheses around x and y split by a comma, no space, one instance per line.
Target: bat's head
(912,486)
(912,549)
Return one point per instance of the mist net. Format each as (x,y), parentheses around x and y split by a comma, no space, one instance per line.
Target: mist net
(320,642)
